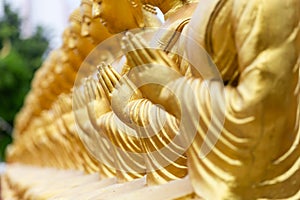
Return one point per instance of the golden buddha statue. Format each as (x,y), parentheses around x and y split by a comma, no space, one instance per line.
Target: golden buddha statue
(150,136)
(52,80)
(32,147)
(81,45)
(44,90)
(119,16)
(59,133)
(250,159)
(68,54)
(129,162)
(144,16)
(45,134)
(67,127)
(57,159)
(261,100)
(66,70)
(23,117)
(92,105)
(157,174)
(109,116)
(92,27)
(93,141)
(45,97)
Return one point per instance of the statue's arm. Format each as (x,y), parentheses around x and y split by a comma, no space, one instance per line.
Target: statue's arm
(267,41)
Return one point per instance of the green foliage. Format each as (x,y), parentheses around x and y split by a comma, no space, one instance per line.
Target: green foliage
(5,140)
(19,59)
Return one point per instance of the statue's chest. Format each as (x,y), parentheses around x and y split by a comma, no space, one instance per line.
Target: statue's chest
(218,36)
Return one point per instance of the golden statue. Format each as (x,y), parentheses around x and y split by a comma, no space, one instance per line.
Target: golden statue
(66,127)
(50,80)
(92,27)
(124,174)
(119,16)
(90,136)
(227,171)
(68,54)
(81,45)
(129,165)
(199,130)
(156,174)
(258,93)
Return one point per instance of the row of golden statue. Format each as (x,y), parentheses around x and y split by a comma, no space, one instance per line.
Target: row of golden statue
(227,121)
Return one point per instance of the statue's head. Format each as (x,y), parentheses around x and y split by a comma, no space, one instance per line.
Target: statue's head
(68,45)
(75,21)
(65,38)
(73,32)
(81,44)
(91,27)
(119,15)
